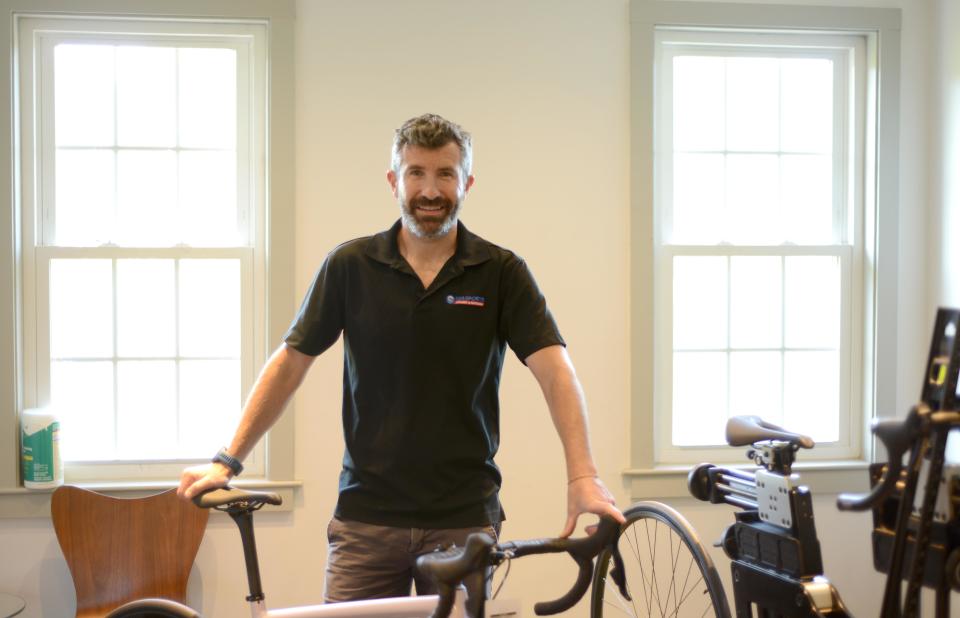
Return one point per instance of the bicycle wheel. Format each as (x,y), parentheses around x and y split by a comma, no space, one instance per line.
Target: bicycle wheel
(667,570)
(153,608)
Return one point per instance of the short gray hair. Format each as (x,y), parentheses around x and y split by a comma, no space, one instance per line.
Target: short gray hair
(432,131)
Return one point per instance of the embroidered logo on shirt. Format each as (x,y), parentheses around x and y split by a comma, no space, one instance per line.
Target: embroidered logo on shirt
(474,301)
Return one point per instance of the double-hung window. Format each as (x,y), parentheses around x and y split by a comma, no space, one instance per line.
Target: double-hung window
(759,236)
(143,235)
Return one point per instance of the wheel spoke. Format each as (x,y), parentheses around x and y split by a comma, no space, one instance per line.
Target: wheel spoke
(674,557)
(666,566)
(695,587)
(620,605)
(653,564)
(683,589)
(634,543)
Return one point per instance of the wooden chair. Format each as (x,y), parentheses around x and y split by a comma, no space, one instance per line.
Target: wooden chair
(119,550)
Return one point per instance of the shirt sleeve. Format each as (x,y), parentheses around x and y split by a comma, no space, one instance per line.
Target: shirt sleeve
(319,322)
(525,322)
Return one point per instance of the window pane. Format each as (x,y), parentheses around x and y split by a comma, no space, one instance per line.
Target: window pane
(807,197)
(811,394)
(755,385)
(84,197)
(753,191)
(82,393)
(208,98)
(146,410)
(81,308)
(698,113)
(147,196)
(208,198)
(146,308)
(698,188)
(699,398)
(806,87)
(210,308)
(753,103)
(146,96)
(83,95)
(699,302)
(755,302)
(813,302)
(209,405)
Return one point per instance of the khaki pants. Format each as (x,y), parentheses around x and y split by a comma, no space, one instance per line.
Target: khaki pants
(365,561)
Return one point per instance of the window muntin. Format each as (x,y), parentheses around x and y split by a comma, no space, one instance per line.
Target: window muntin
(747,340)
(145,139)
(143,241)
(755,253)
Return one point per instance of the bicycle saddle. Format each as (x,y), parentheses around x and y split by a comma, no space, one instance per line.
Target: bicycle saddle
(229,496)
(744,430)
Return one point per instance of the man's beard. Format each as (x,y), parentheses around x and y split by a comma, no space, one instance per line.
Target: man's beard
(429,225)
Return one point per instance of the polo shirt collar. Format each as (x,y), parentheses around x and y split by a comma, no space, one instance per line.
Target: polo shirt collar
(471,249)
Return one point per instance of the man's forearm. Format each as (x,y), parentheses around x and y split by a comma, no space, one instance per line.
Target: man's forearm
(568,408)
(275,385)
(561,389)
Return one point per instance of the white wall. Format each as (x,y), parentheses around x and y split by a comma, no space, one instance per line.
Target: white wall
(543,85)
(543,88)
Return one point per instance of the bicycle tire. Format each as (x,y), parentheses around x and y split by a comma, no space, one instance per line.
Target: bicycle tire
(153,608)
(682,583)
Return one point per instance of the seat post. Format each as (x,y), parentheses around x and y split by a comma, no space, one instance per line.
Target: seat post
(243,517)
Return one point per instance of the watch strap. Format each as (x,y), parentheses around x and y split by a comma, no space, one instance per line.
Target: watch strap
(229,461)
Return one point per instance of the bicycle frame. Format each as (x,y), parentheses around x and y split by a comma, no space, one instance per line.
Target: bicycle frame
(398,607)
(394,607)
(459,573)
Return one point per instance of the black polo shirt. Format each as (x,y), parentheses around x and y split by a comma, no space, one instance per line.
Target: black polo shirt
(421,373)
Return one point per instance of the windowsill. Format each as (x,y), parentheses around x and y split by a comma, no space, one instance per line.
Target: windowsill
(822,477)
(20,502)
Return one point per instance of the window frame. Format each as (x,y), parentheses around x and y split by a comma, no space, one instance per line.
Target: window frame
(39,38)
(846,51)
(881,29)
(274,293)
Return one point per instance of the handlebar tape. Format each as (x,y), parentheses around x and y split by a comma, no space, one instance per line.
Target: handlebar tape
(582,550)
(460,564)
(449,568)
(897,437)
(547,608)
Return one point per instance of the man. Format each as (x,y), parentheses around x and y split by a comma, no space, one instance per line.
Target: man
(426,310)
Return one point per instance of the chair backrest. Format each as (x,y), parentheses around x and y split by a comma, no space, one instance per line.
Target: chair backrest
(121,549)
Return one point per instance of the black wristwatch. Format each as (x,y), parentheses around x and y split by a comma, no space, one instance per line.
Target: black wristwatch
(229,461)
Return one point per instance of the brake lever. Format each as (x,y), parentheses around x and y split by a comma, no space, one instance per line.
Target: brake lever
(618,573)
(583,552)
(897,437)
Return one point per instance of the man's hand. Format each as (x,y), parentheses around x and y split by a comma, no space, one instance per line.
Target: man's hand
(588,495)
(201,478)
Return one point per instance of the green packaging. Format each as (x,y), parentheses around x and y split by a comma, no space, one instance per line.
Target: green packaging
(40,450)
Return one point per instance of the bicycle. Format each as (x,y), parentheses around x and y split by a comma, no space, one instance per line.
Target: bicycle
(460,573)
(776,565)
